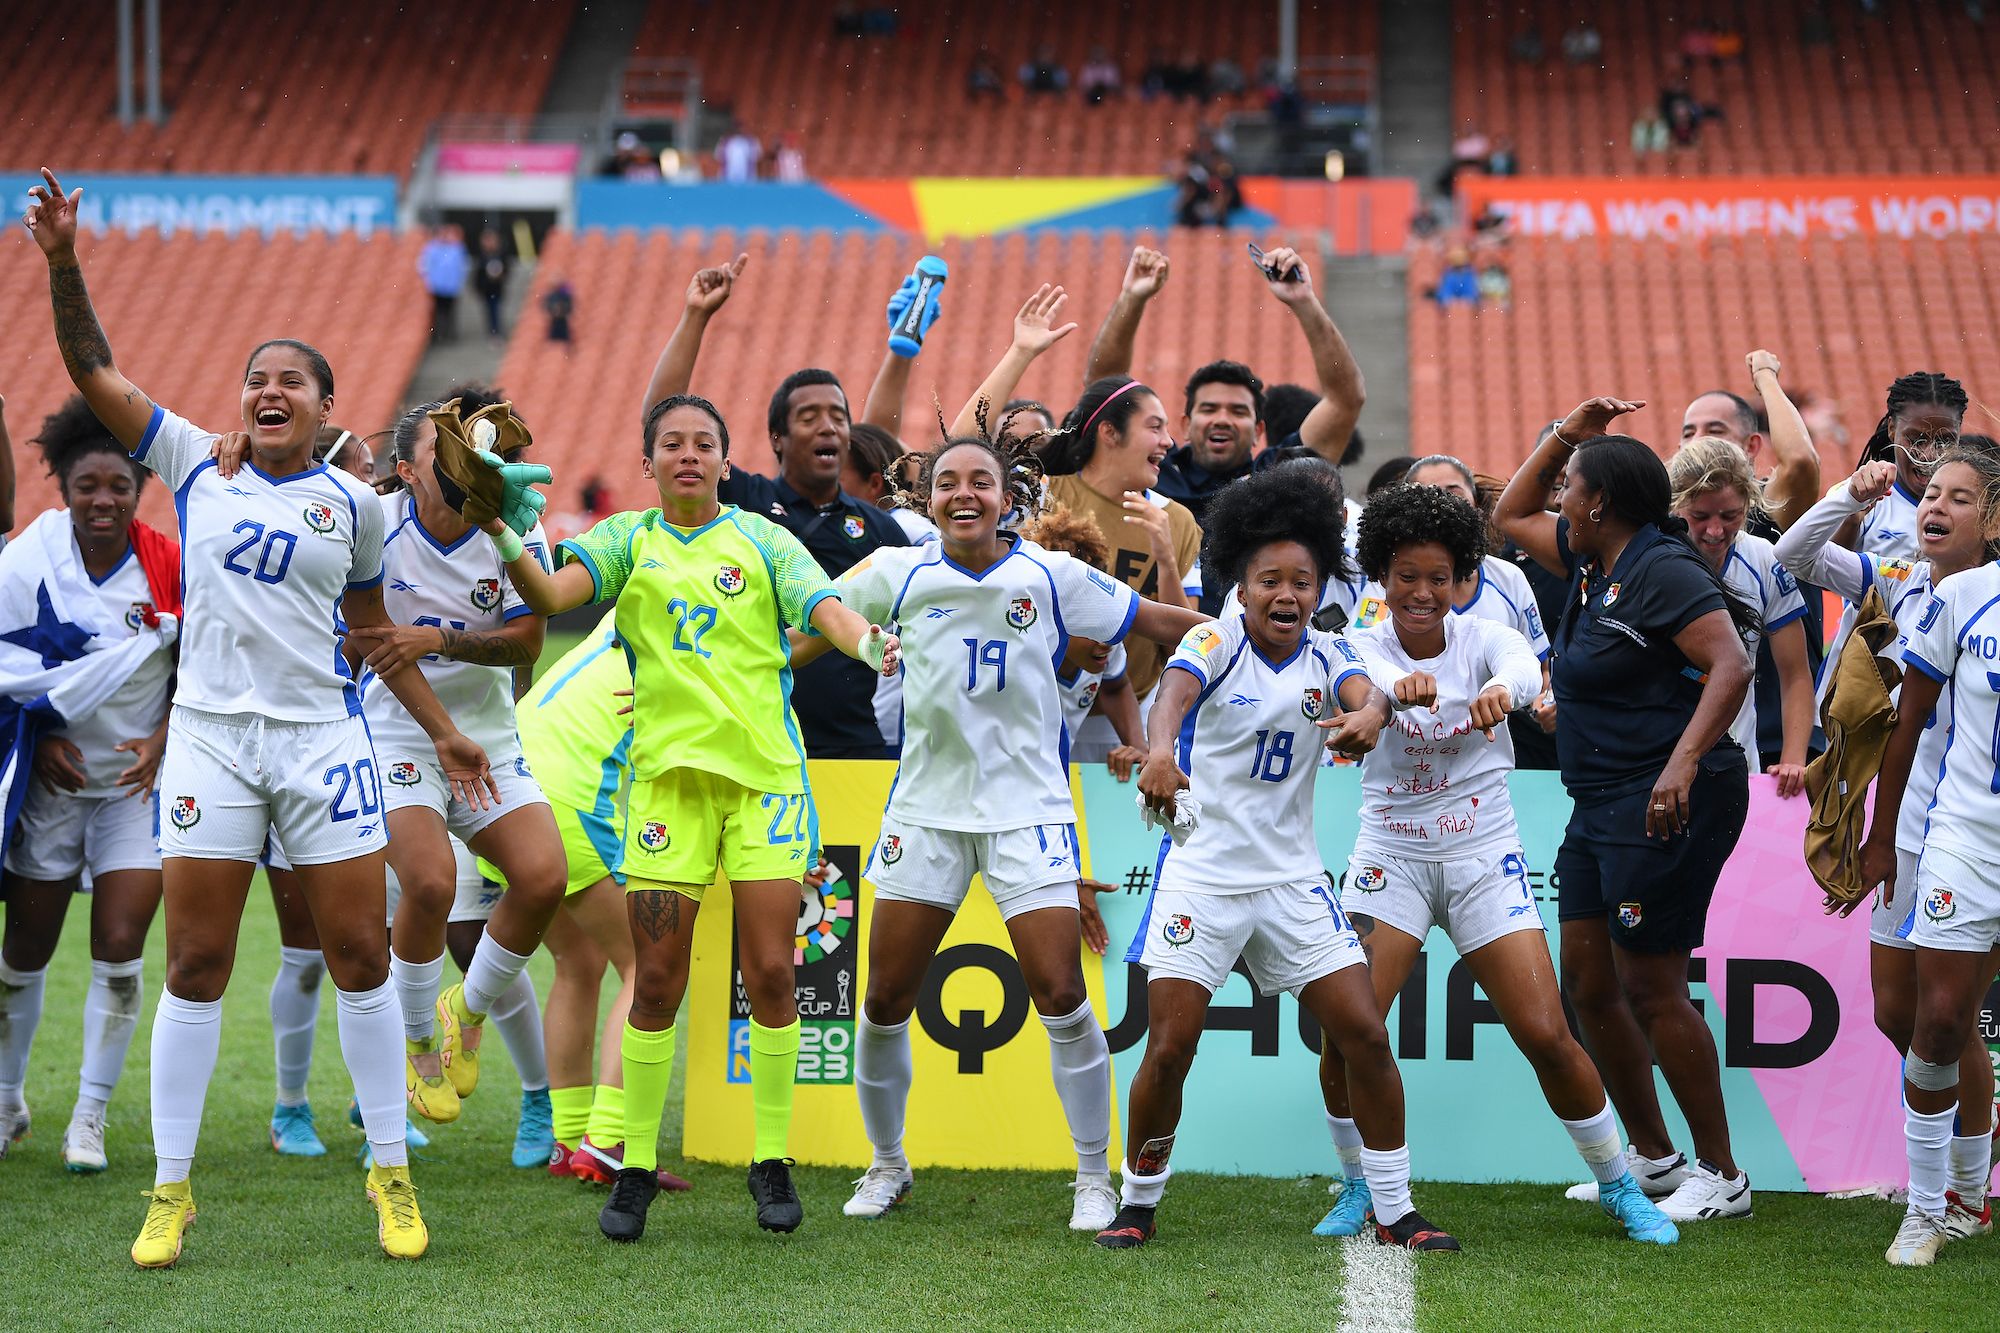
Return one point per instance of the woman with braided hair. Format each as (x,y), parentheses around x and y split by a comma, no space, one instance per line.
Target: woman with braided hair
(1921,419)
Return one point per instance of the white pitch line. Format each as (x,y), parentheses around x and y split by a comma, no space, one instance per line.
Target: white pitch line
(1378,1287)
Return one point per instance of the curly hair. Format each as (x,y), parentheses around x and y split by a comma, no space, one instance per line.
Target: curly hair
(1712,463)
(1408,515)
(1292,502)
(71,433)
(1020,471)
(1063,529)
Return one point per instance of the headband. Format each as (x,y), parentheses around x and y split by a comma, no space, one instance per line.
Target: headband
(1115,396)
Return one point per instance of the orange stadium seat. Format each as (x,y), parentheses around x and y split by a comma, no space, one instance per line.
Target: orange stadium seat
(183,314)
(818,299)
(1666,322)
(351,92)
(896,106)
(1908,91)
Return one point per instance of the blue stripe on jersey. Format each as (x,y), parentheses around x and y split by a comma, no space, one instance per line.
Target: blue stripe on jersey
(1055,608)
(1944,755)
(1184,751)
(1784,620)
(1138,944)
(584,558)
(442,548)
(1974,620)
(112,572)
(937,557)
(510,617)
(1917,660)
(181,500)
(1736,557)
(611,776)
(556,685)
(153,424)
(1131,614)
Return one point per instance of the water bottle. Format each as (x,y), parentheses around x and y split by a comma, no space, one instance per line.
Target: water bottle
(907,336)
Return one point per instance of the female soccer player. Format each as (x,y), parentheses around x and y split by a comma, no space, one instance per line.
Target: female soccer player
(1343,597)
(705,592)
(266,733)
(1950,540)
(983,786)
(1715,492)
(90,806)
(1921,419)
(1248,879)
(1438,843)
(1649,671)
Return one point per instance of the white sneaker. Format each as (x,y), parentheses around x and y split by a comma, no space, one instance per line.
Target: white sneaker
(1917,1241)
(1096,1203)
(13,1125)
(1657,1178)
(1707,1194)
(878,1191)
(1962,1221)
(83,1143)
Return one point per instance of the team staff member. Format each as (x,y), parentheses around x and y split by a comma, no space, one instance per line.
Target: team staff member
(1649,673)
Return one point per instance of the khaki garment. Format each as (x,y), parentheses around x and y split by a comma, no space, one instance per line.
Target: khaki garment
(1858,718)
(1132,561)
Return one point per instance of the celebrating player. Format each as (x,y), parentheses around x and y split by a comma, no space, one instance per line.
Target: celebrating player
(90,803)
(705,592)
(983,787)
(1438,844)
(266,732)
(1248,879)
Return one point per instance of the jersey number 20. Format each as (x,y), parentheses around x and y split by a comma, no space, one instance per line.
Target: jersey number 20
(276,547)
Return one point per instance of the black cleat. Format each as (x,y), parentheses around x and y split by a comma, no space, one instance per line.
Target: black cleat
(777,1202)
(1129,1230)
(623,1216)
(1413,1233)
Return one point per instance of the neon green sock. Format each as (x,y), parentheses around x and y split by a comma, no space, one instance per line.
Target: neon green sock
(607,1109)
(570,1109)
(649,1067)
(774,1063)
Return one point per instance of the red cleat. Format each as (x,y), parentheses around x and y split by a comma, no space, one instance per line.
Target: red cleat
(600,1166)
(559,1160)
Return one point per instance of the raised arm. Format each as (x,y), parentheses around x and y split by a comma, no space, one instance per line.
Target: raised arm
(706,293)
(1328,427)
(1794,483)
(1111,350)
(86,353)
(1035,332)
(570,586)
(884,407)
(1808,548)
(1522,513)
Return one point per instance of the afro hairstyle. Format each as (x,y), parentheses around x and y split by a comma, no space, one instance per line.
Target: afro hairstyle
(73,432)
(1410,515)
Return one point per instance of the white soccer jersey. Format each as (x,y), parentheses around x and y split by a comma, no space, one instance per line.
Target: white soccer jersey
(459,586)
(264,563)
(1890,529)
(1956,640)
(1434,789)
(1251,750)
(985,747)
(1079,692)
(122,600)
(1501,595)
(1753,573)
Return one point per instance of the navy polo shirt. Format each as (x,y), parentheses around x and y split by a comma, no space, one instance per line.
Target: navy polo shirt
(1624,693)
(1183,479)
(834,697)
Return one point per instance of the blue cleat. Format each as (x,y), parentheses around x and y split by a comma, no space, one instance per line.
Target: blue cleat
(535,1135)
(1350,1212)
(413,1136)
(1643,1221)
(292,1131)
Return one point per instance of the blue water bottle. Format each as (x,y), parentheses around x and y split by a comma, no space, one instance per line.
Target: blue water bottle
(906,335)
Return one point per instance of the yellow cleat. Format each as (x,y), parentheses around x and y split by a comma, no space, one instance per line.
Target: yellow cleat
(169,1213)
(431,1096)
(458,1030)
(398,1224)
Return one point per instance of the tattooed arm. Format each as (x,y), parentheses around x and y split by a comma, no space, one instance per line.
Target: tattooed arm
(86,353)
(389,648)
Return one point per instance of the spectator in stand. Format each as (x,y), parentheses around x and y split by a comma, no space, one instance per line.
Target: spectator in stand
(1426,224)
(1496,288)
(1459,283)
(595,497)
(1728,46)
(1044,74)
(1527,47)
(1583,44)
(1100,78)
(559,303)
(1698,44)
(1502,161)
(847,19)
(984,78)
(1225,78)
(1649,134)
(1469,152)
(1682,114)
(1159,73)
(739,154)
(490,278)
(1187,77)
(790,160)
(443,262)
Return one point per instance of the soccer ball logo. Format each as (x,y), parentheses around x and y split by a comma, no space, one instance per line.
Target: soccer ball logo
(403,773)
(1370,879)
(319,516)
(184,812)
(653,836)
(1939,904)
(1629,915)
(729,579)
(1021,612)
(892,849)
(853,527)
(1313,705)
(135,619)
(486,594)
(1178,929)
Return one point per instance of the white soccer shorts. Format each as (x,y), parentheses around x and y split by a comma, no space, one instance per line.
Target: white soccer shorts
(1291,935)
(1889,925)
(1025,869)
(227,783)
(60,834)
(1474,900)
(1957,902)
(414,777)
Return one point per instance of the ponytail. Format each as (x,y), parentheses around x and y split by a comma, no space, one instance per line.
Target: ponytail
(1069,448)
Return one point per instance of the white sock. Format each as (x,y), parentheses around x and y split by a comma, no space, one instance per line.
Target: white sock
(1080,1058)
(1141,1191)
(1596,1139)
(417,987)
(20,1015)
(1928,1139)
(1971,1166)
(187,1037)
(1388,1176)
(375,1063)
(1346,1142)
(493,970)
(882,1077)
(518,1017)
(110,1017)
(294,1018)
